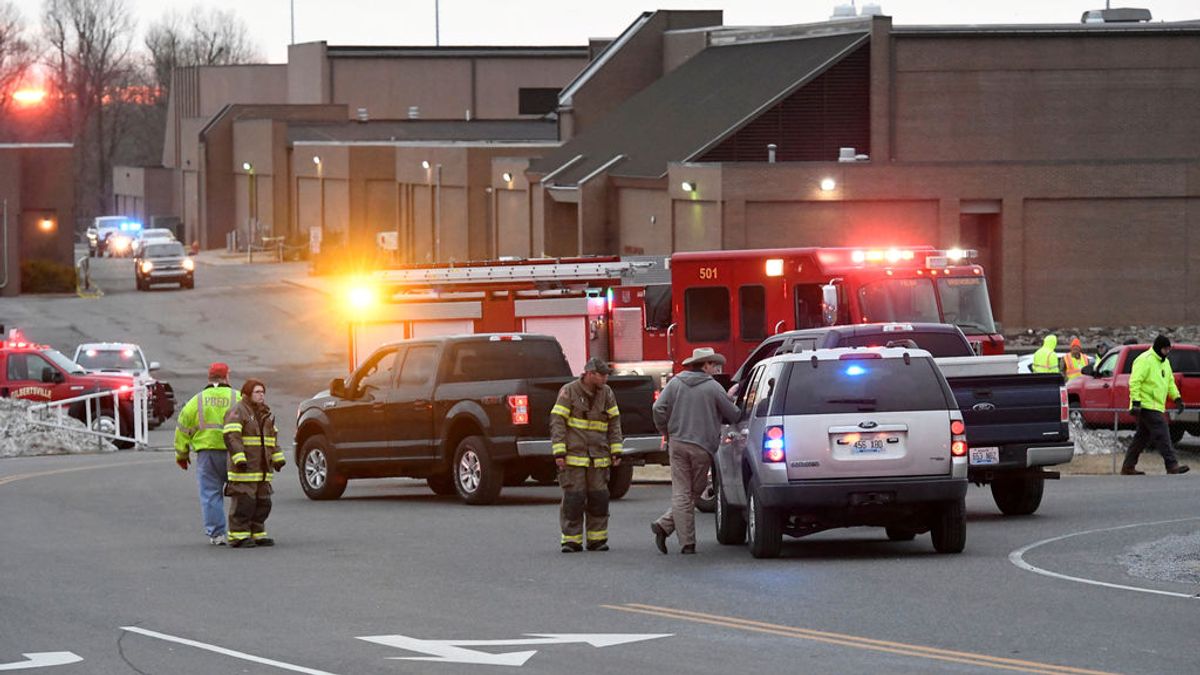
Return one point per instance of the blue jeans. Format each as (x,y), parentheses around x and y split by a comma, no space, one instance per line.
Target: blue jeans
(211,471)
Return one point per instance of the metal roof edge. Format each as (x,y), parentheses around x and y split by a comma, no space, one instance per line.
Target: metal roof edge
(1177,27)
(564,98)
(755,34)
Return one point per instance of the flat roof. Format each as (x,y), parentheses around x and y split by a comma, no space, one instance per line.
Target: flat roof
(425,130)
(375,52)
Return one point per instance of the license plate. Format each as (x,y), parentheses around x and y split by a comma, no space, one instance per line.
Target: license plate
(987,455)
(868,445)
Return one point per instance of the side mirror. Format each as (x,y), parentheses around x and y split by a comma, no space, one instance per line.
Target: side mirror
(155,365)
(829,304)
(337,387)
(1088,370)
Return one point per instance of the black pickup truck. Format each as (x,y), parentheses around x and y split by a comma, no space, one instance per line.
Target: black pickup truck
(468,413)
(1016,424)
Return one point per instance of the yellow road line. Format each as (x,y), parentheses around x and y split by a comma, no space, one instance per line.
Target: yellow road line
(842,639)
(22,476)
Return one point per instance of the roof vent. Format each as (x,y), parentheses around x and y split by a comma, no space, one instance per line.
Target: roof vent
(871,9)
(362,115)
(843,12)
(846,154)
(1118,15)
(414,112)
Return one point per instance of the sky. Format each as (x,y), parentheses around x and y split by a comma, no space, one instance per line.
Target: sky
(570,22)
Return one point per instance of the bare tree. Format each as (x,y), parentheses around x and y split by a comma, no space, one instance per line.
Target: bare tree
(90,60)
(16,52)
(204,38)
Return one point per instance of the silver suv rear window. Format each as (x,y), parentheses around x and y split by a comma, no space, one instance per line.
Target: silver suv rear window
(864,385)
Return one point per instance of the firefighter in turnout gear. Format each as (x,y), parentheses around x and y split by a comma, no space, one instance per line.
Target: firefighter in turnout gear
(254,452)
(199,429)
(585,433)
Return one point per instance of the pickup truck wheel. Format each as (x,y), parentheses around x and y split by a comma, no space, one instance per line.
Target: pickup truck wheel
(442,484)
(1018,496)
(1177,432)
(318,477)
(765,528)
(949,531)
(620,478)
(477,477)
(731,521)
(900,533)
(707,501)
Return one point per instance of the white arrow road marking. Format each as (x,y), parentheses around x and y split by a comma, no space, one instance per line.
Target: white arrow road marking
(221,650)
(42,660)
(455,651)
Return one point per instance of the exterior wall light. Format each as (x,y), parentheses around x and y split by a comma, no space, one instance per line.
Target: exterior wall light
(507,177)
(425,164)
(46,225)
(828,184)
(317,160)
(247,166)
(688,186)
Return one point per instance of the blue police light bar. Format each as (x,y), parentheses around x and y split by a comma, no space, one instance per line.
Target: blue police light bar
(130,225)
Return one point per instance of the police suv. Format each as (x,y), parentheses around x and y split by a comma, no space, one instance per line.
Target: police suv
(841,438)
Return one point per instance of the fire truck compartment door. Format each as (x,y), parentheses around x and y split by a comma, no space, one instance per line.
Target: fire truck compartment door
(423,329)
(571,332)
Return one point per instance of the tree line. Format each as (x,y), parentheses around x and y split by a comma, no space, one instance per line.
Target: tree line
(106,90)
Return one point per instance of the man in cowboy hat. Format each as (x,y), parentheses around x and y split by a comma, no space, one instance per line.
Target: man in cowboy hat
(689,413)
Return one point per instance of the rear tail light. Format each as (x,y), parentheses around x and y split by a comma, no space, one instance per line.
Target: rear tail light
(1064,406)
(773,450)
(958,438)
(519,405)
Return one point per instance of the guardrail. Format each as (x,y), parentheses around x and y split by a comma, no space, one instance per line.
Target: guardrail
(104,414)
(1118,447)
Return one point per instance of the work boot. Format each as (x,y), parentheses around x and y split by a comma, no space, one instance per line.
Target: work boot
(1128,471)
(241,543)
(690,549)
(571,547)
(264,541)
(660,537)
(597,545)
(1179,468)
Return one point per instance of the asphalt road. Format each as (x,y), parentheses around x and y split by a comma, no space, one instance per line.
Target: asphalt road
(104,558)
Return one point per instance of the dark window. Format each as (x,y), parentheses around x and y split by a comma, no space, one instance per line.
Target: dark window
(1184,360)
(808,306)
(658,306)
(752,310)
(865,385)
(706,312)
(418,365)
(1127,367)
(937,344)
(376,374)
(506,360)
(537,100)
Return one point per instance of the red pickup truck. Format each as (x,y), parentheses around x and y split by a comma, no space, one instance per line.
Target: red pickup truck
(1104,386)
(39,373)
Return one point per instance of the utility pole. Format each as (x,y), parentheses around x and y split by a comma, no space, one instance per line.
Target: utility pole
(293,3)
(437,23)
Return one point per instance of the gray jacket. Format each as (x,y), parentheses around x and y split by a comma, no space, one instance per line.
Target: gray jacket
(691,408)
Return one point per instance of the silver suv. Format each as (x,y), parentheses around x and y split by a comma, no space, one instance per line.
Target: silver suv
(841,438)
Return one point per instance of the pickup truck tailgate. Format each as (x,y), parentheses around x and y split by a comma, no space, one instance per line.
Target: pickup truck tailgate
(635,398)
(1000,409)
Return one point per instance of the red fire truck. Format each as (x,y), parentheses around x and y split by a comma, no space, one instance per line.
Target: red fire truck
(646,323)
(732,300)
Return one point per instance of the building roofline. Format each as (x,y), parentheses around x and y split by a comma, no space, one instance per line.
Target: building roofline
(433,143)
(1073,29)
(502,51)
(615,45)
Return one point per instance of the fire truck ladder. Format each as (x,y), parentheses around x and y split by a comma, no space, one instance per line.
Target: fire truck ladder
(561,273)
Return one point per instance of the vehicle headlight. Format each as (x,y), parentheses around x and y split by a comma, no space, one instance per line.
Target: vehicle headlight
(189,264)
(147,266)
(120,243)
